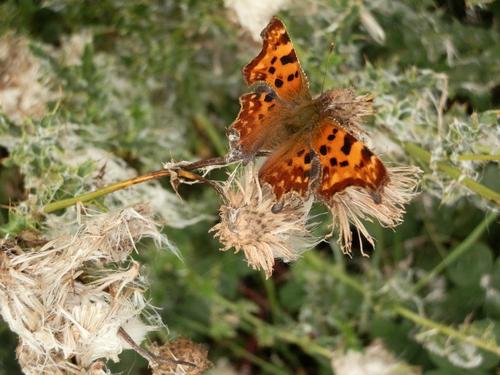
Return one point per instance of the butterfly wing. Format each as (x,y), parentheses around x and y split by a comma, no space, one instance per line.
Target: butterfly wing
(329,160)
(280,84)
(288,168)
(257,121)
(278,66)
(346,161)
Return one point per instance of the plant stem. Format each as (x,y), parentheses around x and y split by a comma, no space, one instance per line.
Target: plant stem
(271,296)
(335,271)
(308,345)
(147,355)
(457,252)
(451,332)
(408,314)
(200,328)
(479,157)
(425,157)
(269,367)
(182,171)
(212,133)
(304,342)
(54,206)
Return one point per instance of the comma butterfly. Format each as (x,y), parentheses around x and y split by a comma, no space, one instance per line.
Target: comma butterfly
(311,140)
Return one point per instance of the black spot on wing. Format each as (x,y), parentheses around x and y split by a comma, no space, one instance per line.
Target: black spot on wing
(348,141)
(344,163)
(284,38)
(288,59)
(366,154)
(278,82)
(272,69)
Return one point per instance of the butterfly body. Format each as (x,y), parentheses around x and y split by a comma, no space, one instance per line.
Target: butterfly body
(311,141)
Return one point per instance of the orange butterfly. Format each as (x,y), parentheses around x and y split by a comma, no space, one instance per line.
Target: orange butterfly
(311,140)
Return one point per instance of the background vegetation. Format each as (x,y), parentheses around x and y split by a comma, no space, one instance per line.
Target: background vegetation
(121,87)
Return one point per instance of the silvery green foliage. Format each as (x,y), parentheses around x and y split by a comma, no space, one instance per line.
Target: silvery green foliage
(411,107)
(460,354)
(67,151)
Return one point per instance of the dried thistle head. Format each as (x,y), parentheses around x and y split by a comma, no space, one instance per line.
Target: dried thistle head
(253,16)
(36,363)
(375,359)
(355,204)
(180,349)
(73,46)
(22,92)
(346,108)
(252,221)
(68,299)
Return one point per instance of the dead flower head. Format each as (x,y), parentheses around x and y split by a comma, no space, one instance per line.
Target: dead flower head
(68,299)
(355,205)
(375,359)
(253,15)
(252,221)
(180,349)
(23,90)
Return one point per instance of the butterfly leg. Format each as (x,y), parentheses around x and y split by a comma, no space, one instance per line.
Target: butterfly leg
(376,196)
(278,206)
(262,87)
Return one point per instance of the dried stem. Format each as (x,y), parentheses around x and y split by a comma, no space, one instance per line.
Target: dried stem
(457,252)
(146,354)
(182,171)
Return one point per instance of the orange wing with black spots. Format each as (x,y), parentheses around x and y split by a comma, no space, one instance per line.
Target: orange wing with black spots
(259,110)
(278,66)
(345,161)
(289,168)
(332,161)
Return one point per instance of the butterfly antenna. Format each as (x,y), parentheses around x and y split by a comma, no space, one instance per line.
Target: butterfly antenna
(330,52)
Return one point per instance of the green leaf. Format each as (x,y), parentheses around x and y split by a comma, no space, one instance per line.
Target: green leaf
(492,286)
(471,266)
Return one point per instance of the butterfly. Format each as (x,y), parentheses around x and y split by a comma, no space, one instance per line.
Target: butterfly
(312,142)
